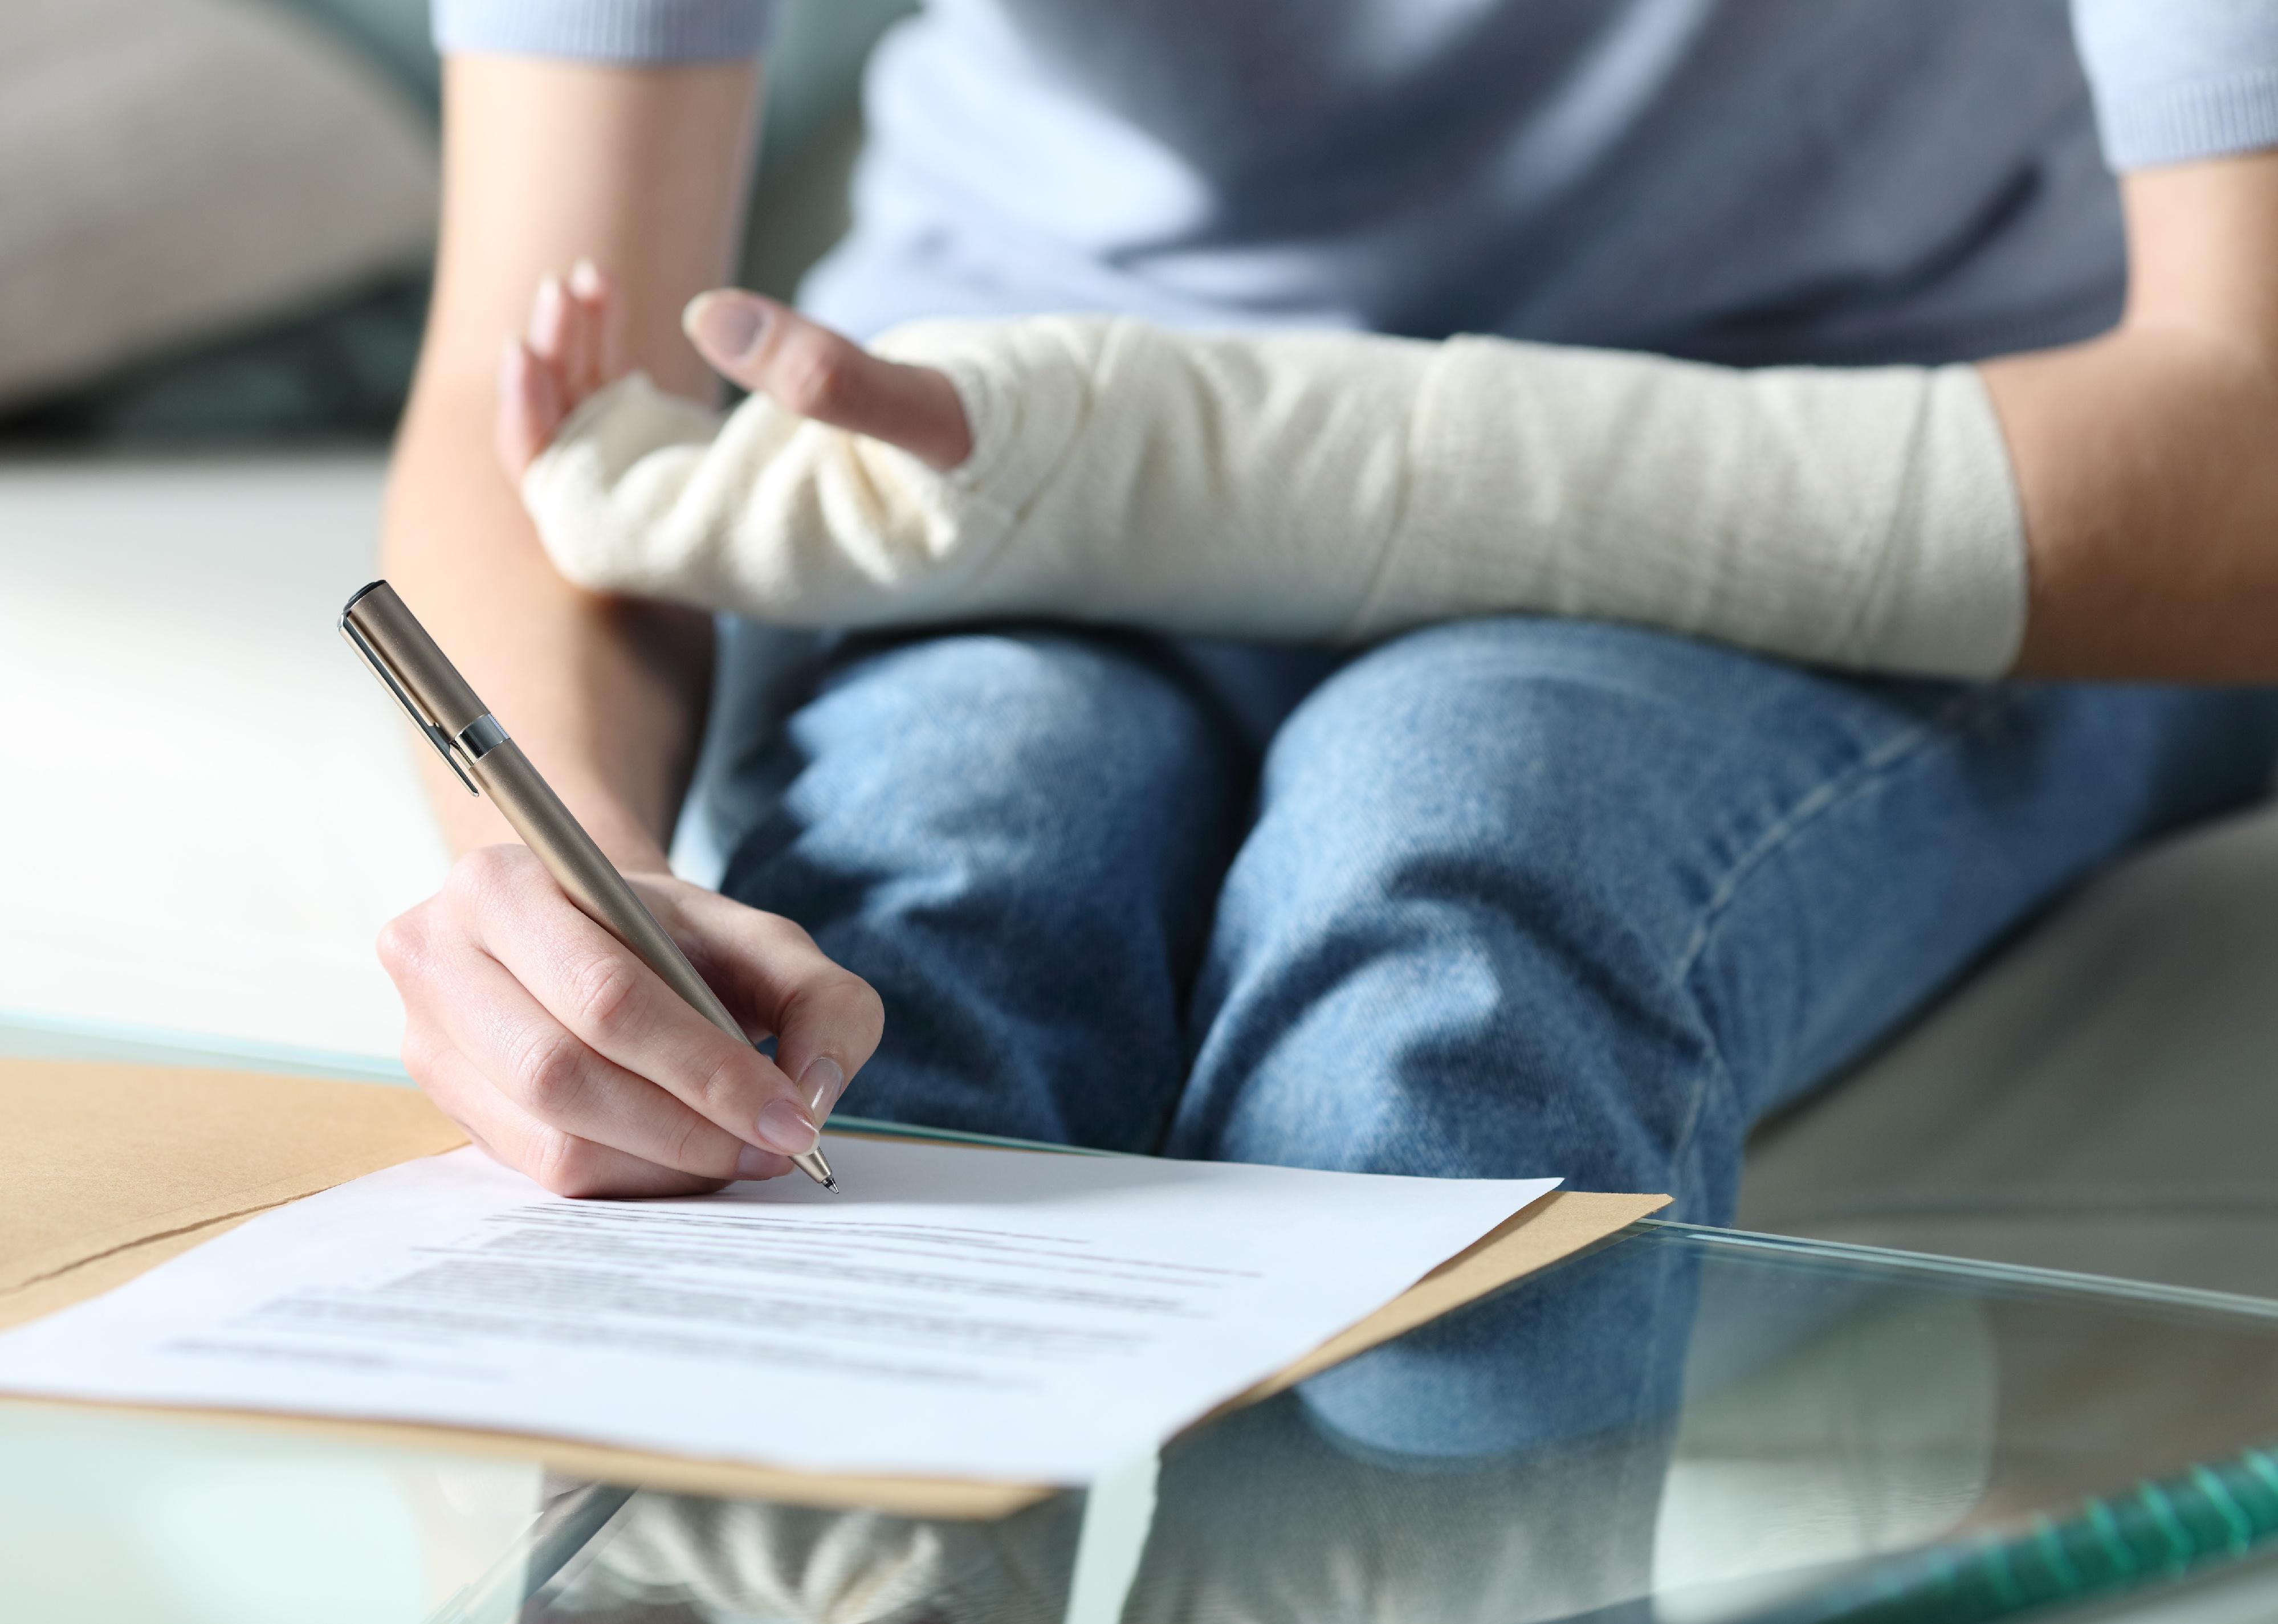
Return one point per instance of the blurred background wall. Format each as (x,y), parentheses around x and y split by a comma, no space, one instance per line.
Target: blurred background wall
(218,213)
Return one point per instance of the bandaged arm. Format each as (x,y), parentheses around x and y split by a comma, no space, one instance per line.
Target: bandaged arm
(1329,488)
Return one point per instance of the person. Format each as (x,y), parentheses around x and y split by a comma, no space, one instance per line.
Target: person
(1503,895)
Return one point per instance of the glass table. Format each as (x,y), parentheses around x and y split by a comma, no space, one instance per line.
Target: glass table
(1684,1426)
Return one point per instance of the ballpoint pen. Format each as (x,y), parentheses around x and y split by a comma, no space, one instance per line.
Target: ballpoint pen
(396,646)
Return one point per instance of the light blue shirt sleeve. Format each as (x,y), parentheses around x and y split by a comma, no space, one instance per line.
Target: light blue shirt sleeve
(2181,80)
(627,31)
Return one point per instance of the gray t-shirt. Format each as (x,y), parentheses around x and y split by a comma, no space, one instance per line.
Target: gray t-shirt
(1838,181)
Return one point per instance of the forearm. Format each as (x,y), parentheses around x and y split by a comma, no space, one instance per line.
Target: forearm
(2147,467)
(606,695)
(2147,460)
(644,171)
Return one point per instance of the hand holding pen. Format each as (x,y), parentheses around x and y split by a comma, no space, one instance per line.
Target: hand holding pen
(596,1070)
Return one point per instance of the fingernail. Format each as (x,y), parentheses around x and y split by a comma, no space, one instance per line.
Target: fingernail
(586,280)
(727,325)
(820,1083)
(788,1128)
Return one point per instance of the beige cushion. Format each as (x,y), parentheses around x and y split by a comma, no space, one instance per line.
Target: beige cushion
(175,168)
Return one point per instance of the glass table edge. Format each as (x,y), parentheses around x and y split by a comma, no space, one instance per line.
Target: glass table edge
(44,1035)
(2024,1279)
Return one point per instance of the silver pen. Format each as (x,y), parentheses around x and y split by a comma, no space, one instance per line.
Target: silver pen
(469,738)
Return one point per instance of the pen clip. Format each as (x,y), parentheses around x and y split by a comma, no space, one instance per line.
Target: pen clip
(430,730)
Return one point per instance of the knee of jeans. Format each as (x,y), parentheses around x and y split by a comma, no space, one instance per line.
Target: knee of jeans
(1513,764)
(1038,734)
(1459,912)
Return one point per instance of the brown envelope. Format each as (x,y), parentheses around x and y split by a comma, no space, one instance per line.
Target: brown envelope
(106,1170)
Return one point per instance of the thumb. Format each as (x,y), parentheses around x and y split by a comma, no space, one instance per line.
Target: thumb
(771,349)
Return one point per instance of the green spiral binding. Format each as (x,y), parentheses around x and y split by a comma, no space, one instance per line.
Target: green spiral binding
(2157,1531)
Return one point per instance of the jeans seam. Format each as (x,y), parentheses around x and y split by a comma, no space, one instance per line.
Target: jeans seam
(1874,767)
(1717,1072)
(1823,797)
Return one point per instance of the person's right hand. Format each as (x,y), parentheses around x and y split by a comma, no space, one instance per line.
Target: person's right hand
(567,1058)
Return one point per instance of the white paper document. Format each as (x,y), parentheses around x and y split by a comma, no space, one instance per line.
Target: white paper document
(957,1312)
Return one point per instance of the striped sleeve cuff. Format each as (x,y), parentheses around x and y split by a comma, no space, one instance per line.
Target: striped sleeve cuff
(2200,118)
(627,31)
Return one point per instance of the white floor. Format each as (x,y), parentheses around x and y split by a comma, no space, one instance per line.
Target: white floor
(207,803)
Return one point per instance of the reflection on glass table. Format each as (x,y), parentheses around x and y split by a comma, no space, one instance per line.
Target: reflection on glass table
(1684,1426)
(1847,1434)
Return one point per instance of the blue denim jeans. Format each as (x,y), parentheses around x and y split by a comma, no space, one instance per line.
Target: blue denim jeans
(1501,897)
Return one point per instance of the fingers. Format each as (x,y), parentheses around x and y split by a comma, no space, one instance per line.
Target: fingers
(617,1008)
(560,335)
(561,1162)
(577,327)
(530,407)
(482,1040)
(574,345)
(491,1022)
(826,1020)
(771,349)
(595,294)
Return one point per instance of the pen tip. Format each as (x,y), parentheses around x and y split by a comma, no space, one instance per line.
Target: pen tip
(830,1185)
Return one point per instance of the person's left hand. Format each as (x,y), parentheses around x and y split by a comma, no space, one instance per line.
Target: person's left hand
(573,347)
